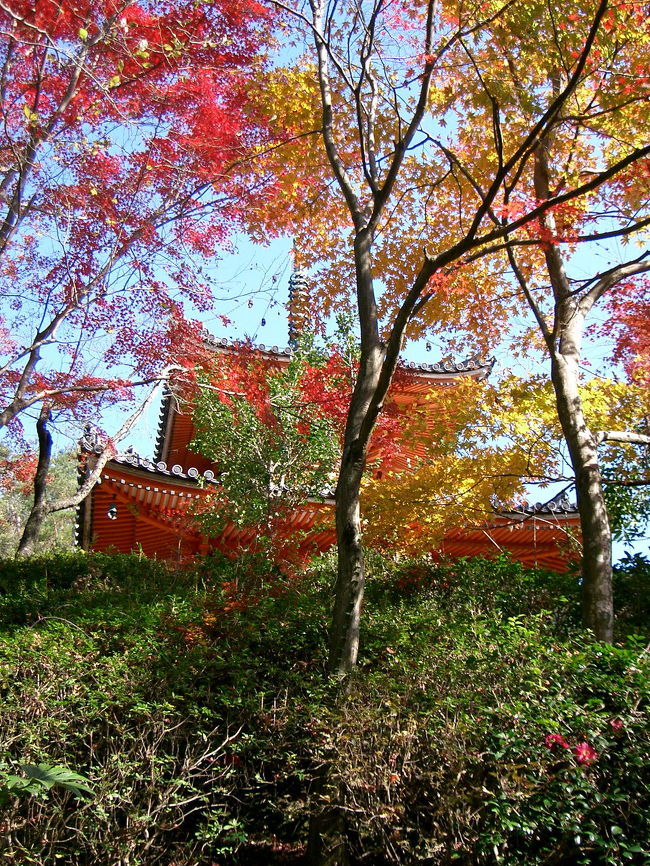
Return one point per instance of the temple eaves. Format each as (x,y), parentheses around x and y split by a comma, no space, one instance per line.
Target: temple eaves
(473,364)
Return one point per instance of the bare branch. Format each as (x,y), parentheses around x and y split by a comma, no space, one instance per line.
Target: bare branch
(109,449)
(611,277)
(623,436)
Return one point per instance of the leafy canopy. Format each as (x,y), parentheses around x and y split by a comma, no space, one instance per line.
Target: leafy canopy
(273,432)
(128,134)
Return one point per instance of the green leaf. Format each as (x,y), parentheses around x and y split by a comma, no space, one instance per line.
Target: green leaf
(48,777)
(16,783)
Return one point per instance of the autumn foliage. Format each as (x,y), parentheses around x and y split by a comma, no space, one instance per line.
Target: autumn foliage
(127,141)
(272,425)
(629,326)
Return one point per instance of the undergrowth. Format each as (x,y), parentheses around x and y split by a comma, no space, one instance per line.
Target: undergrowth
(482,726)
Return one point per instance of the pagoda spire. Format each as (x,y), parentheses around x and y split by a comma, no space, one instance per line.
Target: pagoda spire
(298,304)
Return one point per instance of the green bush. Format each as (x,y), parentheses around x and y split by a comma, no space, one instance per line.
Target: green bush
(481,727)
(461,763)
(33,586)
(632,593)
(36,575)
(174,698)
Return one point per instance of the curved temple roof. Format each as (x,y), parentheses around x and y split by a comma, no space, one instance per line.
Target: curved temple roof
(444,368)
(442,372)
(143,505)
(559,506)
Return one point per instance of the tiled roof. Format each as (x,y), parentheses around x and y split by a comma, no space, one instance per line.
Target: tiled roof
(163,420)
(232,345)
(90,444)
(560,504)
(471,364)
(159,467)
(444,369)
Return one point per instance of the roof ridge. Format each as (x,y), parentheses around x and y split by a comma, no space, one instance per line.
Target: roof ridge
(559,504)
(132,458)
(444,366)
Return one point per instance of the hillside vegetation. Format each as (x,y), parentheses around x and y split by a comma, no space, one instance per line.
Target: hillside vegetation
(482,725)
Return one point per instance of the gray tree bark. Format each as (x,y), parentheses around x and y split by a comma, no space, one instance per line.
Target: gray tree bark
(597,595)
(39,508)
(563,340)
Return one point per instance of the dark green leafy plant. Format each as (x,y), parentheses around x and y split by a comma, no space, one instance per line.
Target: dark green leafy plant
(40,778)
(482,727)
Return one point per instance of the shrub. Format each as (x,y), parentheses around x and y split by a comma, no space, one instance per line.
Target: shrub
(172,700)
(632,594)
(498,744)
(482,725)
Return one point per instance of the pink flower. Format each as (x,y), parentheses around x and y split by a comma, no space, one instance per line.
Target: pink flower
(585,754)
(616,725)
(556,740)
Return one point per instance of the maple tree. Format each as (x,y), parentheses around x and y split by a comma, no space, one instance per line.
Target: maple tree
(273,427)
(471,151)
(273,432)
(16,498)
(128,133)
(486,448)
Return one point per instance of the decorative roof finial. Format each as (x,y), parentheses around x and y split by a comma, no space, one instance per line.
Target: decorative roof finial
(298,305)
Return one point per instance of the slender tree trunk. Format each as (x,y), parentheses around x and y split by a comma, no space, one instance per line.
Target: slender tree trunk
(564,343)
(344,631)
(362,415)
(39,507)
(597,596)
(327,831)
(327,840)
(327,845)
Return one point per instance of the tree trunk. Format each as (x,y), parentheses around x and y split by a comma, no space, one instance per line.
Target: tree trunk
(327,845)
(39,508)
(564,343)
(597,596)
(344,631)
(327,831)
(362,415)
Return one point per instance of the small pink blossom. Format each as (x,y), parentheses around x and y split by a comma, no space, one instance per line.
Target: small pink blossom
(616,725)
(585,754)
(556,740)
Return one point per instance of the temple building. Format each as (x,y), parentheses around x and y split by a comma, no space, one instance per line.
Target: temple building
(145,505)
